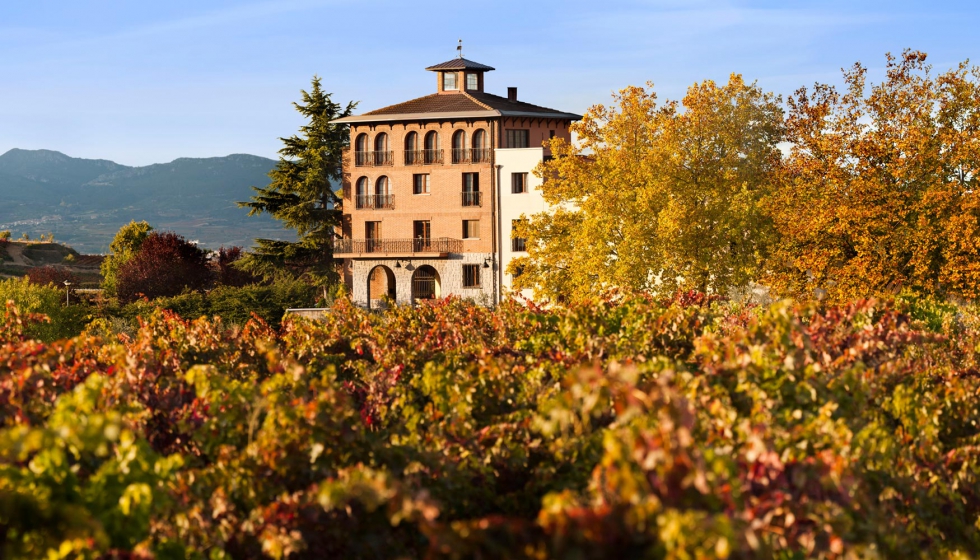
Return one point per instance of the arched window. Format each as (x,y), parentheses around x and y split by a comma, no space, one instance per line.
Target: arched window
(425,283)
(459,147)
(381,155)
(432,152)
(412,156)
(361,150)
(381,186)
(361,198)
(383,199)
(480,153)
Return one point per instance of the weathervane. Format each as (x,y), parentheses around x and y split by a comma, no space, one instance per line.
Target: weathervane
(459,48)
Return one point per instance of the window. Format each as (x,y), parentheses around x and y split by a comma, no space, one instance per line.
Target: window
(472,81)
(432,152)
(518,244)
(459,147)
(381,150)
(361,197)
(471,189)
(422,232)
(518,183)
(372,235)
(449,80)
(361,150)
(471,276)
(480,153)
(518,138)
(471,229)
(551,134)
(420,183)
(412,156)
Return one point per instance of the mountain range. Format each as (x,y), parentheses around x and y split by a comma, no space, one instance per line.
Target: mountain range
(83,202)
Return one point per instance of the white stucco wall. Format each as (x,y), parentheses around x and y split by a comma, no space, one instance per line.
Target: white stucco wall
(513,206)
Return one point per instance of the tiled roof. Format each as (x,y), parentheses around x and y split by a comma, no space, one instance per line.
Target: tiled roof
(460,64)
(505,105)
(463,102)
(435,103)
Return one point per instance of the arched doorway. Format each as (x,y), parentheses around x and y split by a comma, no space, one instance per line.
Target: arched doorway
(381,284)
(425,283)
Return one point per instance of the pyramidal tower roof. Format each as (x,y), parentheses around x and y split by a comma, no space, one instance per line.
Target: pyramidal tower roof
(459,64)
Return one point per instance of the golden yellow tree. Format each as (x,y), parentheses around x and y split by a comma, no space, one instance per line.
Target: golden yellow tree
(656,197)
(879,186)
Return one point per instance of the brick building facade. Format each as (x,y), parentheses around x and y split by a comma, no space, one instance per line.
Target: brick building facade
(422,197)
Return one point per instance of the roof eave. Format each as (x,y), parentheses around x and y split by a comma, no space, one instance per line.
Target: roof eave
(417,116)
(541,115)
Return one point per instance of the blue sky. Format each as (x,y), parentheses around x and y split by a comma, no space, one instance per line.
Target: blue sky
(146,82)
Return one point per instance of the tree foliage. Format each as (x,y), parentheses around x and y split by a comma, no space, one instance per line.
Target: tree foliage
(880,190)
(301,194)
(657,197)
(62,321)
(165,265)
(123,247)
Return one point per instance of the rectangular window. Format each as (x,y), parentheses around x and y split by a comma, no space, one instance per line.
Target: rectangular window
(472,81)
(449,80)
(471,276)
(372,234)
(471,229)
(420,183)
(471,189)
(422,234)
(518,138)
(517,244)
(518,183)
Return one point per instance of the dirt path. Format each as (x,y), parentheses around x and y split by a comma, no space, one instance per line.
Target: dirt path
(16,252)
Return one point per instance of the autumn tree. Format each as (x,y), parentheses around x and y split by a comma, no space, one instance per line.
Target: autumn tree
(124,246)
(879,192)
(225,271)
(301,194)
(657,197)
(165,265)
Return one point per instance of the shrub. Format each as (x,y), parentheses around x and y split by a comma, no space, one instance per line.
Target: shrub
(227,273)
(63,321)
(52,275)
(613,429)
(165,265)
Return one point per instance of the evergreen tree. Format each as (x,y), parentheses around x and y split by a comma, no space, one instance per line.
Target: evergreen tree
(301,194)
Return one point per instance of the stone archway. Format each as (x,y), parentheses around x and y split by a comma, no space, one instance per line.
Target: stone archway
(425,283)
(380,285)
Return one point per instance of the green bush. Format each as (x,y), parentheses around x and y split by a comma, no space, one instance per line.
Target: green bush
(64,321)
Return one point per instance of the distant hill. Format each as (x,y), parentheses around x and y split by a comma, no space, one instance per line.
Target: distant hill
(83,202)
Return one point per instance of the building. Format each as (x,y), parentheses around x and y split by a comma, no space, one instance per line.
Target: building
(432,186)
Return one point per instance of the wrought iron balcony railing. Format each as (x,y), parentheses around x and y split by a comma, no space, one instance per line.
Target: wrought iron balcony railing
(397,246)
(374,159)
(471,155)
(375,201)
(472,198)
(423,157)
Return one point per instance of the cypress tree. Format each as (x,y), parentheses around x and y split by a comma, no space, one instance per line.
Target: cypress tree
(301,194)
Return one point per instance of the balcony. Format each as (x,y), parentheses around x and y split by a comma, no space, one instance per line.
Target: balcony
(423,157)
(374,159)
(471,198)
(471,155)
(396,248)
(374,202)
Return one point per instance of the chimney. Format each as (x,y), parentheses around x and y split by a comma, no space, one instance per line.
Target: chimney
(512,94)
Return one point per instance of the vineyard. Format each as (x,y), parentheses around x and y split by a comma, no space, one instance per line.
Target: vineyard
(624,427)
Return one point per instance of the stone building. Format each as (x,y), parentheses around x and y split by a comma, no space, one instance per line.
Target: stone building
(432,186)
